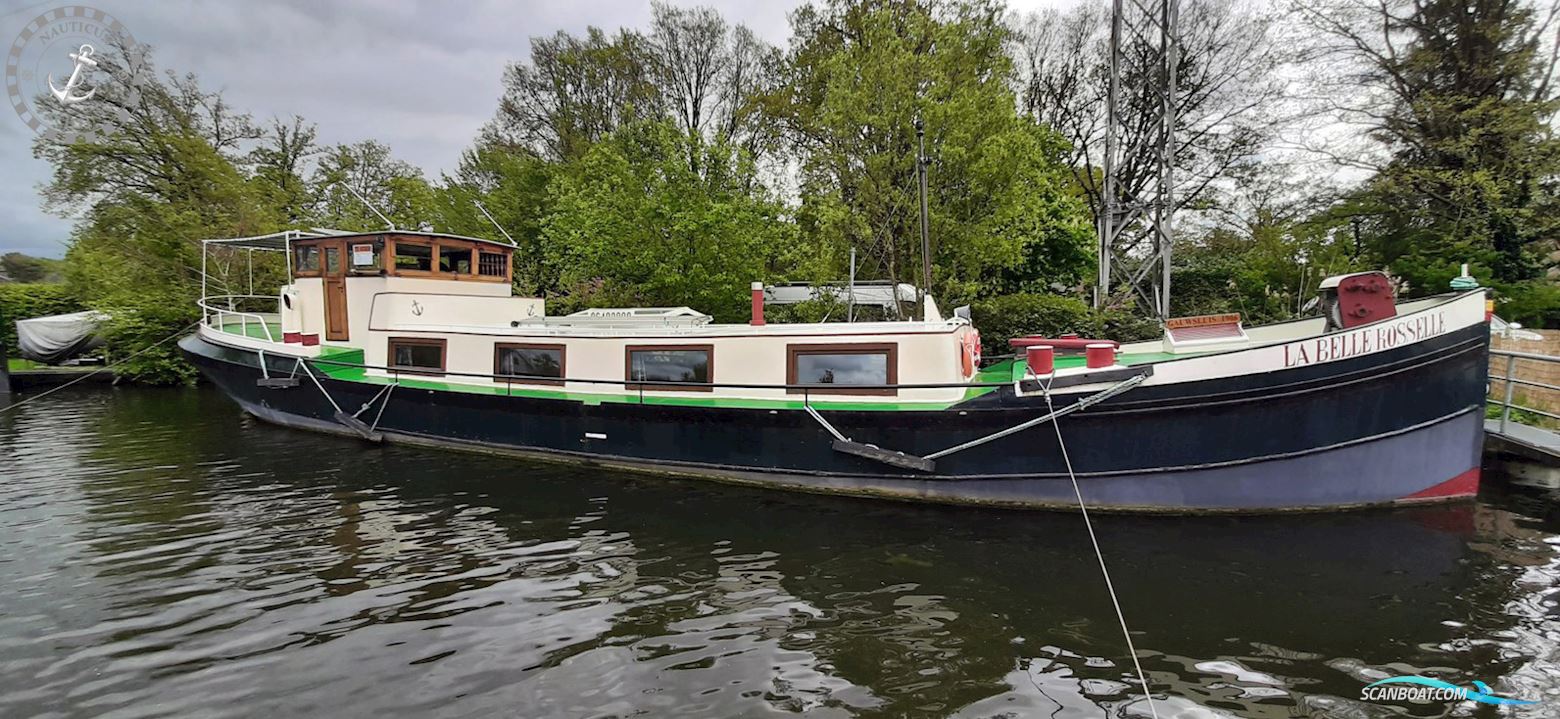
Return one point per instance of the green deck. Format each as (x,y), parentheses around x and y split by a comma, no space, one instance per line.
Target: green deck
(255,330)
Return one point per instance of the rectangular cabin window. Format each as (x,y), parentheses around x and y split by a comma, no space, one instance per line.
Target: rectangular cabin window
(417,258)
(333,261)
(529,364)
(842,368)
(306,259)
(455,260)
(688,366)
(493,264)
(421,355)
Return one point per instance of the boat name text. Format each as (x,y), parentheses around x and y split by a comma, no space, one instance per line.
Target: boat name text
(1365,340)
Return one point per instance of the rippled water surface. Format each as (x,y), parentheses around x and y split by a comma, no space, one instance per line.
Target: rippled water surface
(161,554)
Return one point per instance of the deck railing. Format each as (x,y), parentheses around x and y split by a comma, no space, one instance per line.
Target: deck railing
(218,317)
(1507,401)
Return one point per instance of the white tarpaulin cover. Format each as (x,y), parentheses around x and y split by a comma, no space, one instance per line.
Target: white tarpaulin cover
(52,340)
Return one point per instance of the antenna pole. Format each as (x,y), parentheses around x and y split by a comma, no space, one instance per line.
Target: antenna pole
(926,240)
(478,203)
(369,205)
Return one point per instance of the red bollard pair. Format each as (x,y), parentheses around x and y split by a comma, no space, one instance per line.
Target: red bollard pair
(1042,358)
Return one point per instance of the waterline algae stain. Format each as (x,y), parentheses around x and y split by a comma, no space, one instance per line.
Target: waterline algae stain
(164,554)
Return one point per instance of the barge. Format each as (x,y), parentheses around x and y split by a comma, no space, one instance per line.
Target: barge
(417,337)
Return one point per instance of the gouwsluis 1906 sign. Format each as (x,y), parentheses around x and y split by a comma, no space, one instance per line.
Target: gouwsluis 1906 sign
(1365,340)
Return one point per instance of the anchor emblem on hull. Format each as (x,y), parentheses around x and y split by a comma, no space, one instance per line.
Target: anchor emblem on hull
(416,308)
(83,59)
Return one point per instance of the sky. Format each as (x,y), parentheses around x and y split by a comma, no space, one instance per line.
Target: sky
(421,77)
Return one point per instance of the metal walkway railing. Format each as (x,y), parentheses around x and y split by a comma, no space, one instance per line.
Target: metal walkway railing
(1511,380)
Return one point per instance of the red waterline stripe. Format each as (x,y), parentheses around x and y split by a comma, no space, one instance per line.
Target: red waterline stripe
(1463,485)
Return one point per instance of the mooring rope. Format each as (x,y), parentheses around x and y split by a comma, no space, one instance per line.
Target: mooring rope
(1089,524)
(104,368)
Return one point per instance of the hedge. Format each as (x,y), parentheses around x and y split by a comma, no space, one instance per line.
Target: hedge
(1002,318)
(21,301)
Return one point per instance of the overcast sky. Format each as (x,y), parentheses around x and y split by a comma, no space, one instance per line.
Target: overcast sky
(419,76)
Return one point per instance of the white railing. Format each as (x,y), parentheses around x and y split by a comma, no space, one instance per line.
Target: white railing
(1506,404)
(219,318)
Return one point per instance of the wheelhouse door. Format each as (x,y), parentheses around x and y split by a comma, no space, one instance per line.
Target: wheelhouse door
(335,271)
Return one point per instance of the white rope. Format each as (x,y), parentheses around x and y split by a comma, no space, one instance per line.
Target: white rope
(104,368)
(1109,587)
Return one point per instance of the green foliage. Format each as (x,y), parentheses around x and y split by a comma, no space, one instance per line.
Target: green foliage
(24,301)
(1002,318)
(634,224)
(1004,214)
(393,187)
(1473,155)
(512,183)
(17,267)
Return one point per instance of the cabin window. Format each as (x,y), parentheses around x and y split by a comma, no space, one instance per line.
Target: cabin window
(493,264)
(306,258)
(688,366)
(535,364)
(843,369)
(333,261)
(417,354)
(455,260)
(414,257)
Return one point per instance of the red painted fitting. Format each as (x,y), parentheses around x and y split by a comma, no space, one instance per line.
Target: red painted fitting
(1099,354)
(1041,359)
(293,337)
(758,304)
(311,340)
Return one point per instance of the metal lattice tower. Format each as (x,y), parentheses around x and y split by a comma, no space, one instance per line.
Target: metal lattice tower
(1139,196)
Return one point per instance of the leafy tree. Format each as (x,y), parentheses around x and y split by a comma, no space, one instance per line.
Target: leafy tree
(1004,214)
(713,76)
(1456,100)
(574,92)
(278,168)
(634,224)
(393,187)
(17,267)
(150,167)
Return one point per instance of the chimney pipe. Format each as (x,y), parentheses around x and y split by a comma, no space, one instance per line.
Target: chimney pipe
(758,304)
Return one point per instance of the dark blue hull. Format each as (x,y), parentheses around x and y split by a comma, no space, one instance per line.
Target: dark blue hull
(1401,425)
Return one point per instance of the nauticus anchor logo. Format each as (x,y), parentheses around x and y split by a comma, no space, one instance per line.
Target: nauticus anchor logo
(66,42)
(1426,689)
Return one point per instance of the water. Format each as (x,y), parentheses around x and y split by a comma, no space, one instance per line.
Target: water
(161,555)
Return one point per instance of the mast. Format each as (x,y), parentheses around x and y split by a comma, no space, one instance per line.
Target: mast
(926,240)
(1135,224)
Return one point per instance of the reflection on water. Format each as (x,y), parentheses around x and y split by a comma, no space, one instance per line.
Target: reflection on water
(160,554)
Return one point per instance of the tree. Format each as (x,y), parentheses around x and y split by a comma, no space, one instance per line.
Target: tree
(1002,211)
(149,168)
(278,167)
(1228,102)
(17,267)
(1455,100)
(390,186)
(713,76)
(634,224)
(574,92)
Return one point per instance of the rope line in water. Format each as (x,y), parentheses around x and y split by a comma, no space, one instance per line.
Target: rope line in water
(1094,540)
(106,367)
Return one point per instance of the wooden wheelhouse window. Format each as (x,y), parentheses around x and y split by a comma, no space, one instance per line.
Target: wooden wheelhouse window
(530,363)
(493,264)
(413,257)
(455,259)
(306,260)
(689,368)
(422,355)
(834,368)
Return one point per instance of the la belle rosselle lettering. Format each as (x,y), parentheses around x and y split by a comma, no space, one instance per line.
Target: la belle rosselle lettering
(1364,340)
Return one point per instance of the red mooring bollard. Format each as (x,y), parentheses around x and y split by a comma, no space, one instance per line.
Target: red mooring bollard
(1099,354)
(1041,359)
